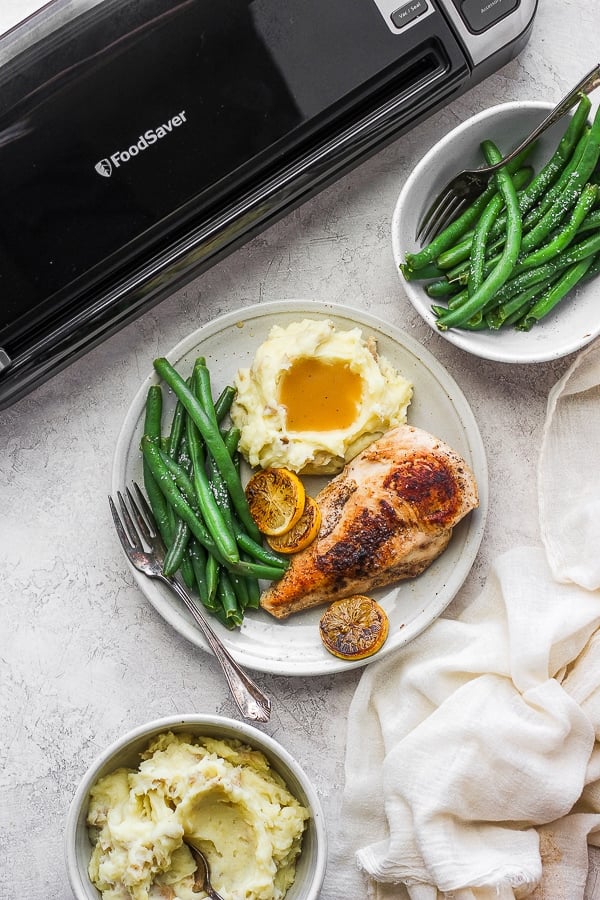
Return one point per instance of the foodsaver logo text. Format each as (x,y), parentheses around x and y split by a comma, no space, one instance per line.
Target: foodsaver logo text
(107,166)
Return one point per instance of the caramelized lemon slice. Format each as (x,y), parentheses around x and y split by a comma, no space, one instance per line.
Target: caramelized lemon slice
(354,628)
(300,535)
(276,499)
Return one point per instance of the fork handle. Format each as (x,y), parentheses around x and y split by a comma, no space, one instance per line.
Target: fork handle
(585,86)
(249,698)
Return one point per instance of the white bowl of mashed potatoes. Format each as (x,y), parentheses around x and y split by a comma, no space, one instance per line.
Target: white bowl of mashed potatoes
(217,783)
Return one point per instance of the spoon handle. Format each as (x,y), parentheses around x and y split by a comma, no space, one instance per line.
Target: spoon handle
(202,875)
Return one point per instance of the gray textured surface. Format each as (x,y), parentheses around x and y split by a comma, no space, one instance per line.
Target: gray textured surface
(83,655)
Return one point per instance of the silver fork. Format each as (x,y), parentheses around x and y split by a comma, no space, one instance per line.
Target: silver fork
(465,187)
(250,700)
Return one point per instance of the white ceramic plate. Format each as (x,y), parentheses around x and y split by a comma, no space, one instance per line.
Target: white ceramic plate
(575,321)
(293,646)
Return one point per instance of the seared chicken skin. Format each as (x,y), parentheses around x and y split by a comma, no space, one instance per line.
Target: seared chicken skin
(385,518)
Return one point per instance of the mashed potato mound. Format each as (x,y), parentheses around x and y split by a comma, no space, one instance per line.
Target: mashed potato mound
(222,796)
(314,397)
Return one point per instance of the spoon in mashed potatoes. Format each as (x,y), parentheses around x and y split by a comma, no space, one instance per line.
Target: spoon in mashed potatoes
(202,876)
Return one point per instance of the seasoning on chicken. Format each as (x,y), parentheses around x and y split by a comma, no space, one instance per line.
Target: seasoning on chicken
(386,517)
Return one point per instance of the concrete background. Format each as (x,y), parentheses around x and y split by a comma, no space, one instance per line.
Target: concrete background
(83,655)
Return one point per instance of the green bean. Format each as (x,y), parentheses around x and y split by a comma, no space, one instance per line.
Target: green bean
(566,188)
(255,549)
(203,393)
(213,440)
(526,280)
(228,599)
(253,593)
(245,542)
(431,270)
(199,560)
(178,529)
(457,254)
(177,557)
(569,257)
(502,313)
(454,302)
(223,402)
(153,412)
(203,390)
(152,431)
(212,576)
(571,192)
(594,269)
(501,273)
(591,221)
(453,232)
(576,252)
(550,197)
(441,288)
(555,294)
(231,439)
(177,429)
(209,508)
(173,532)
(240,589)
(480,239)
(553,169)
(162,468)
(219,614)
(457,300)
(565,237)
(461,251)
(173,560)
(186,488)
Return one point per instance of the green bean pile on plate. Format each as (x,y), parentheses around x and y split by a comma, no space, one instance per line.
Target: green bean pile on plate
(525,243)
(192,481)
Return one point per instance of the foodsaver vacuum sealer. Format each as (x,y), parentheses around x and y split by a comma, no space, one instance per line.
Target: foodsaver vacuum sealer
(140,142)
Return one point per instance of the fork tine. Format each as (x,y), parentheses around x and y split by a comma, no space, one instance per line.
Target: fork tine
(141,522)
(145,506)
(431,213)
(439,216)
(452,213)
(123,536)
(436,213)
(154,534)
(134,536)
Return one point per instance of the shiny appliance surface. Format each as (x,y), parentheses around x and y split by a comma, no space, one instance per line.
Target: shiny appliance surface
(141,142)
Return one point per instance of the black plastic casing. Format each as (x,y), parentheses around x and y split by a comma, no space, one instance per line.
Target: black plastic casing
(140,143)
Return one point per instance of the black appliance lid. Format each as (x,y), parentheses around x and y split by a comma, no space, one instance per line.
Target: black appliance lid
(137,117)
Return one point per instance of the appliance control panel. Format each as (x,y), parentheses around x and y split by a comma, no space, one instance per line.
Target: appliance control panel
(482,25)
(402,14)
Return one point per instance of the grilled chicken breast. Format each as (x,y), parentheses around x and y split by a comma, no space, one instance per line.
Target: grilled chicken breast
(385,518)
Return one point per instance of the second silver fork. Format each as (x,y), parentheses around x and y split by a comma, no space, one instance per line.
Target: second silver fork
(250,700)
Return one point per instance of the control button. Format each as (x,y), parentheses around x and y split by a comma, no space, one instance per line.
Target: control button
(480,14)
(409,12)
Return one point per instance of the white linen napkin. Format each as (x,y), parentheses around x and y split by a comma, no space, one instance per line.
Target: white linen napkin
(472,763)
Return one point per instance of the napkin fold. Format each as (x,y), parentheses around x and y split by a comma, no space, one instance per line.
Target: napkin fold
(473,761)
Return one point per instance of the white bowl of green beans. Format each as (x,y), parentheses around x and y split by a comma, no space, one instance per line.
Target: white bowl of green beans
(547,304)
